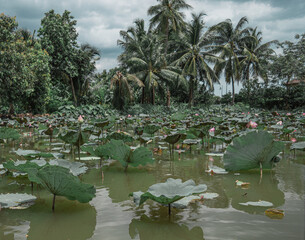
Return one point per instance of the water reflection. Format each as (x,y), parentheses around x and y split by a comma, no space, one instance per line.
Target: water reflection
(71,220)
(119,183)
(148,229)
(267,190)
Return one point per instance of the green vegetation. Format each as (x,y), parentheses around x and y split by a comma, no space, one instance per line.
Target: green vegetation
(171,62)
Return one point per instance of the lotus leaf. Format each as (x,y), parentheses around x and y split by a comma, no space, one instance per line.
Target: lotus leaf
(258,204)
(151,128)
(76,168)
(9,133)
(126,137)
(298,145)
(252,150)
(60,182)
(76,138)
(15,199)
(119,151)
(170,191)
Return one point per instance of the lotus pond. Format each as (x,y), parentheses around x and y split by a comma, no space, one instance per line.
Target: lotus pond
(248,172)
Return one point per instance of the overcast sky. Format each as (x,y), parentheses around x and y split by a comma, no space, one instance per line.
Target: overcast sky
(99,21)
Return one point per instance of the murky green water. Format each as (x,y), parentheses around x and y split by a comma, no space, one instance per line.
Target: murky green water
(112,214)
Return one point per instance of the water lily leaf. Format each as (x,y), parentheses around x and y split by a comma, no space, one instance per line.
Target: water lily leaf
(250,150)
(15,199)
(60,182)
(101,151)
(9,133)
(21,166)
(258,204)
(170,191)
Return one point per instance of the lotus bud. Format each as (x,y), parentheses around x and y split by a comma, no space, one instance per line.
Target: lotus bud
(80,119)
(212,130)
(288,114)
(293,140)
(279,123)
(178,146)
(129,115)
(196,114)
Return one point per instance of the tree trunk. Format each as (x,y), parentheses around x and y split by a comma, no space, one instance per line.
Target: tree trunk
(166,37)
(153,95)
(248,83)
(191,92)
(168,98)
(11,109)
(73,92)
(233,91)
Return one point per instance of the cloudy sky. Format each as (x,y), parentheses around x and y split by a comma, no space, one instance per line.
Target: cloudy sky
(99,21)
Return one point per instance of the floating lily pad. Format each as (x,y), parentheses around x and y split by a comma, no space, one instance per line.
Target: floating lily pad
(298,146)
(258,204)
(16,199)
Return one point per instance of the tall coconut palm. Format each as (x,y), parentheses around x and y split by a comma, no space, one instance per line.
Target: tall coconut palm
(122,89)
(193,60)
(150,67)
(167,16)
(228,42)
(255,56)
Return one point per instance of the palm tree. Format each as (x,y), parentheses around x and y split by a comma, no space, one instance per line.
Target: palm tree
(255,56)
(166,16)
(84,61)
(192,59)
(123,91)
(228,42)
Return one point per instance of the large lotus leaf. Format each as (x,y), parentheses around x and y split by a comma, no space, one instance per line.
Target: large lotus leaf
(21,166)
(173,138)
(9,133)
(119,151)
(171,191)
(178,116)
(59,181)
(151,128)
(75,137)
(33,153)
(76,168)
(15,199)
(126,137)
(250,150)
(100,151)
(141,156)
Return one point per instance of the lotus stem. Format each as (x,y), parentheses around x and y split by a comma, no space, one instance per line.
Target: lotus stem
(261,167)
(169,209)
(53,204)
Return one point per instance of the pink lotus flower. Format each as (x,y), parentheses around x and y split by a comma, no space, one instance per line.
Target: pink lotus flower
(303,114)
(256,114)
(196,114)
(50,126)
(288,114)
(248,112)
(252,124)
(119,130)
(279,123)
(80,119)
(211,159)
(293,140)
(129,115)
(212,130)
(242,113)
(178,146)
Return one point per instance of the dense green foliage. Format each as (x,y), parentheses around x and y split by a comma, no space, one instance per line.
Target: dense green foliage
(173,61)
